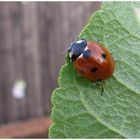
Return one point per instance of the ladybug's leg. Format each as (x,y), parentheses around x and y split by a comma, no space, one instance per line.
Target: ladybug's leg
(100,84)
(102,91)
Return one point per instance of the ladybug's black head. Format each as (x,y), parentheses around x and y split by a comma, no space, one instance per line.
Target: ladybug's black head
(76,49)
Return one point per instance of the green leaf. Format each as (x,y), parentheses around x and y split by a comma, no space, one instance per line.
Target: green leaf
(79,109)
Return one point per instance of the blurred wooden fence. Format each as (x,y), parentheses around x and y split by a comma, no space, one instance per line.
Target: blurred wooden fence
(32,39)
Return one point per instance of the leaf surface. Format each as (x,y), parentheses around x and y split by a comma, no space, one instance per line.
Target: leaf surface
(79,109)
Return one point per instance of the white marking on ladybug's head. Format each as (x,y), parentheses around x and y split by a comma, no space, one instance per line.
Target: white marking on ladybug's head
(86,48)
(70,54)
(79,41)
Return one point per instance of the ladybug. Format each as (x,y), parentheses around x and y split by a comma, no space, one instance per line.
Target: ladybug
(91,60)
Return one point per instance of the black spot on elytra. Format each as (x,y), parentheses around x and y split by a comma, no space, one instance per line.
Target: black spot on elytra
(103,55)
(99,79)
(82,71)
(86,54)
(94,69)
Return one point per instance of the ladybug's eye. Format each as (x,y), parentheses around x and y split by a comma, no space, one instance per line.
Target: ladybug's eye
(74,57)
(69,49)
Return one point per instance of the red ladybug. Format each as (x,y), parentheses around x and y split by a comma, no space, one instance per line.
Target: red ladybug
(91,60)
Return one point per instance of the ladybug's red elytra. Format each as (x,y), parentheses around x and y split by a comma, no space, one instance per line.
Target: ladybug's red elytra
(91,60)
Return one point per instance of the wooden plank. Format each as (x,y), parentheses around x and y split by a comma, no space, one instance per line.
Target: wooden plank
(16,109)
(20,61)
(8,65)
(34,128)
(31,59)
(50,40)
(2,66)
